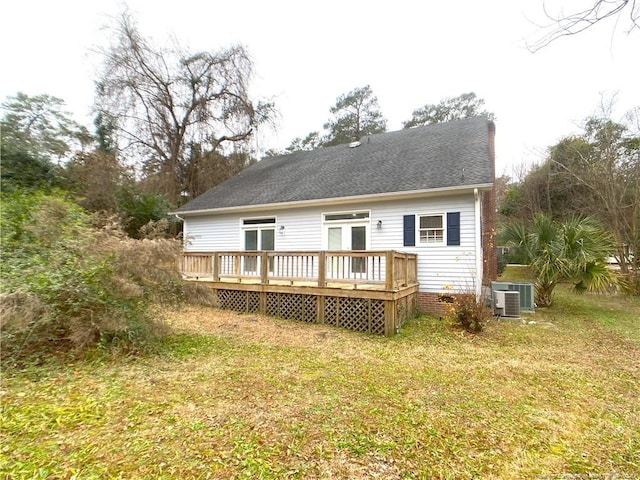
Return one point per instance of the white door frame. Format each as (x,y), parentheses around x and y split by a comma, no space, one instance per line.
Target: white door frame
(364,221)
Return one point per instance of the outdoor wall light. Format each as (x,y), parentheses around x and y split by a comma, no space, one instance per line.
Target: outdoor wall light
(281,229)
(379,224)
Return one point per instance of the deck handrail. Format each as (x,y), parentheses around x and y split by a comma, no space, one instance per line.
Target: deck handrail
(319,267)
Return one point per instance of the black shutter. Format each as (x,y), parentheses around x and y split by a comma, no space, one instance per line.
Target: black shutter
(409,230)
(453,228)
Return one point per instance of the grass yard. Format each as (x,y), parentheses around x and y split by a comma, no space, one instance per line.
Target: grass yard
(244,396)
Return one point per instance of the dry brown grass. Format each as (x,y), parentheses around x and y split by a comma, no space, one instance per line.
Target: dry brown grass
(18,310)
(252,328)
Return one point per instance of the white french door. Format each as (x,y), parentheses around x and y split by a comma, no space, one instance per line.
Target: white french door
(346,236)
(257,239)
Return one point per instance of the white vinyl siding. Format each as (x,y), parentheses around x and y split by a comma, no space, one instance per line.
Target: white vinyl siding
(209,234)
(440,267)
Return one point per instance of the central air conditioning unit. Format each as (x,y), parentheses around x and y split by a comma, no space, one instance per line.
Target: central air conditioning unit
(506,303)
(527,293)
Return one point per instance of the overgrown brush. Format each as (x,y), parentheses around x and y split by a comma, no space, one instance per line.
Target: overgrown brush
(68,285)
(470,312)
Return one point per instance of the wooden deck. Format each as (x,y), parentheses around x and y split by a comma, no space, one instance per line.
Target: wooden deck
(372,291)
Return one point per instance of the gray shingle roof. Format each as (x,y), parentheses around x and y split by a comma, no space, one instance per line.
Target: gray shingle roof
(446,155)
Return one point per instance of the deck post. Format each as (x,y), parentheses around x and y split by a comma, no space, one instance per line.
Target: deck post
(389,318)
(264,268)
(216,267)
(322,268)
(236,265)
(321,305)
(406,270)
(262,305)
(390,284)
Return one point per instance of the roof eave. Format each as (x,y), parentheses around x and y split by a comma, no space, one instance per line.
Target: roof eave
(377,197)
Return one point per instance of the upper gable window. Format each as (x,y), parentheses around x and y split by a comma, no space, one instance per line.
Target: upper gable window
(431,229)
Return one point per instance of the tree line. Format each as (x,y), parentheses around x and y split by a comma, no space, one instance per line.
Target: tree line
(357,114)
(579,209)
(169,124)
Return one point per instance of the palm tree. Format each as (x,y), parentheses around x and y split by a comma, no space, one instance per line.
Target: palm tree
(574,251)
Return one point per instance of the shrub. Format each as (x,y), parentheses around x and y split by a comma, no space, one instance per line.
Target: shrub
(69,286)
(139,208)
(469,312)
(574,251)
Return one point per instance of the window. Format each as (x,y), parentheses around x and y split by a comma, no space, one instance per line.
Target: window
(258,221)
(431,229)
(259,239)
(332,217)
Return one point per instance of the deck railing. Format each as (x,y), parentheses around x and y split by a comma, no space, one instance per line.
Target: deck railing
(320,268)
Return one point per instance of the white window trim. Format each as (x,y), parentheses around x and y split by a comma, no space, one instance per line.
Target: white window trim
(419,243)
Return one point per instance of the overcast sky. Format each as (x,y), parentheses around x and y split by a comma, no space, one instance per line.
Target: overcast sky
(308,53)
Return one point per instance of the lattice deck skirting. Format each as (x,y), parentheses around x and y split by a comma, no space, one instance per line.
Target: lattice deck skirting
(365,313)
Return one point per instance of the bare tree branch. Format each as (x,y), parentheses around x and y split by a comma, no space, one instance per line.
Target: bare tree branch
(165,101)
(562,25)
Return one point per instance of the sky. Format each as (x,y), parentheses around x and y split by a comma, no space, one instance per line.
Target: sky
(306,54)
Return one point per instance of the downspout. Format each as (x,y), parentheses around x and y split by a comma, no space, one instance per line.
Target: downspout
(478,241)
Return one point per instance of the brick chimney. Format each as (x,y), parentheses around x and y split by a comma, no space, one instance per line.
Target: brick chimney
(489,216)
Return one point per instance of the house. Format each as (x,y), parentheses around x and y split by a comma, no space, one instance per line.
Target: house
(425,193)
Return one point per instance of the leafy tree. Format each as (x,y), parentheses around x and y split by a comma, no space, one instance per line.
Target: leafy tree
(99,182)
(207,169)
(138,208)
(163,100)
(21,170)
(38,126)
(573,251)
(610,173)
(355,115)
(95,179)
(312,141)
(454,108)
(549,188)
(36,131)
(105,126)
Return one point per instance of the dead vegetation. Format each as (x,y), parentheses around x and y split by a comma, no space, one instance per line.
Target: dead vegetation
(69,286)
(252,328)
